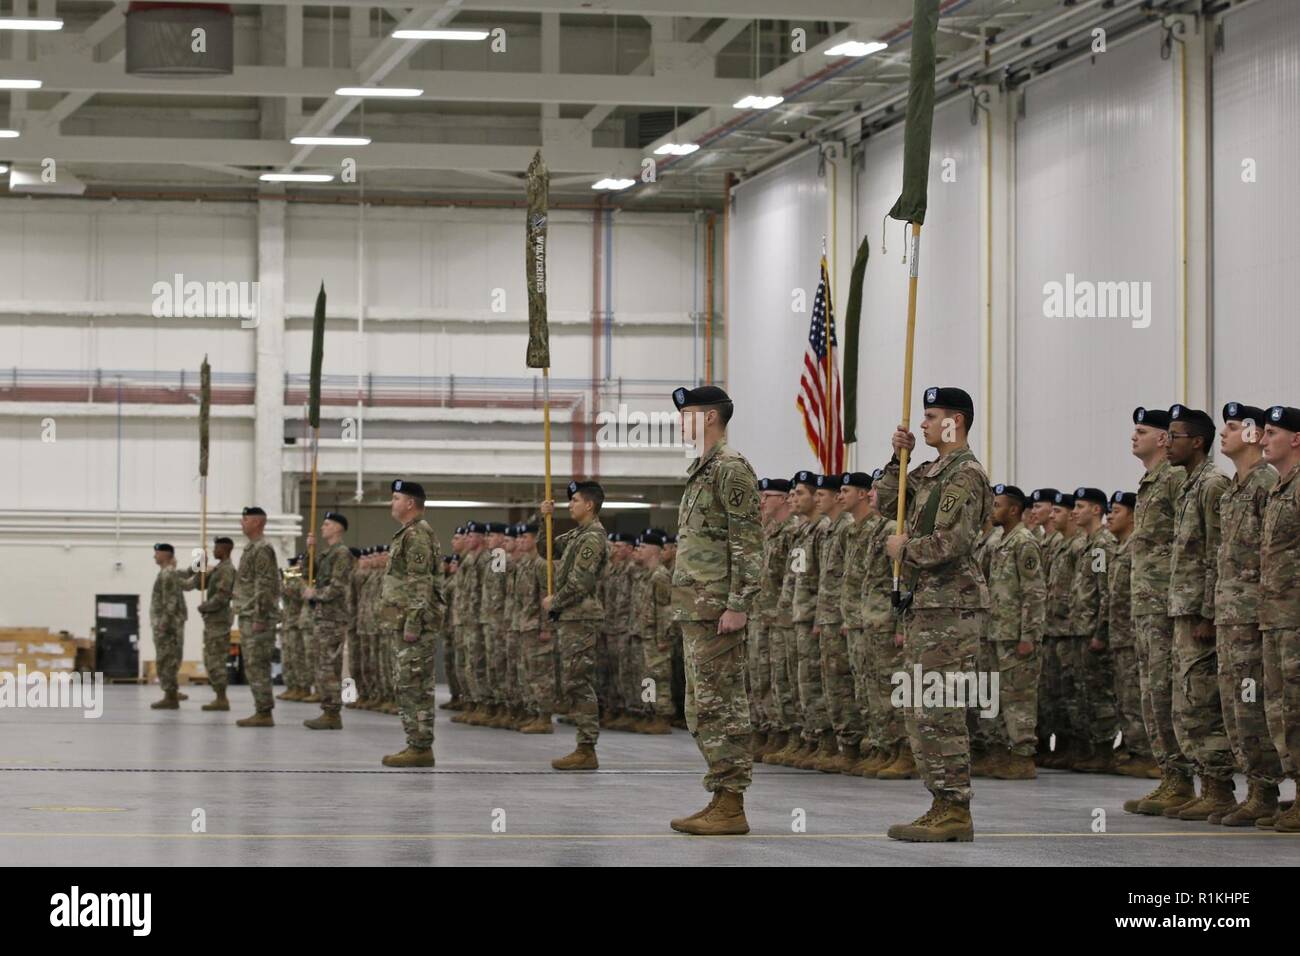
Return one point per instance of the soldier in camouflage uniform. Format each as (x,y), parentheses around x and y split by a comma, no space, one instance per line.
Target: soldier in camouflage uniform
(653,618)
(356,593)
(1136,746)
(631,668)
(784,643)
(452,650)
(949,502)
(616,598)
(1056,628)
(837,672)
(330,600)
(368,633)
(576,613)
(492,605)
(411,613)
(771,687)
(675,630)
(1279,602)
(385,676)
(1151,545)
(167,613)
(469,580)
(720,548)
(515,710)
(291,643)
(1236,615)
(536,645)
(1050,541)
(1092,712)
(855,502)
(805,571)
(256,600)
(215,610)
(1193,574)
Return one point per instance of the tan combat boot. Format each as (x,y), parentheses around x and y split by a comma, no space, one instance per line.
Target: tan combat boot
(1139,767)
(1059,758)
(1261,802)
(1162,788)
(981,765)
(1179,792)
(944,822)
(219,703)
(324,722)
(170,701)
(1288,821)
(659,725)
(1013,766)
(757,741)
(726,817)
(1216,816)
(410,757)
(828,752)
(880,758)
(775,744)
(1215,795)
(541,724)
(452,704)
(260,719)
(678,822)
(312,698)
(903,767)
(285,694)
(582,758)
(850,756)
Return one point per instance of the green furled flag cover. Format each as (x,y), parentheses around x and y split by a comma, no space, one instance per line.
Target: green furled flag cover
(205,410)
(317,354)
(853,319)
(539,346)
(920,114)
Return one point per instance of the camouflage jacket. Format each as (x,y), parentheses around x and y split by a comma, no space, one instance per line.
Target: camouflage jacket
(291,598)
(333,600)
(805,560)
(220,586)
(652,605)
(529,590)
(1119,590)
(1241,518)
(1090,591)
(616,594)
(494,566)
(583,554)
(358,595)
(257,584)
(1017,588)
(469,582)
(451,593)
(984,548)
(167,605)
(790,534)
(1152,541)
(771,572)
(1050,546)
(855,569)
(830,589)
(1194,570)
(878,577)
(408,601)
(509,613)
(942,563)
(371,590)
(1060,582)
(1279,556)
(635,576)
(719,540)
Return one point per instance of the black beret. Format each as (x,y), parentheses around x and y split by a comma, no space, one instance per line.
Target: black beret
(294,560)
(164,547)
(381,549)
(512,531)
(672,539)
(1181,413)
(526,527)
(475,527)
(1284,416)
(809,478)
(255,511)
(1126,498)
(828,481)
(1095,495)
(367,551)
(1064,499)
(877,475)
(773,484)
(448,559)
(704,395)
(1011,491)
(356,552)
(1237,412)
(224,540)
(621,537)
(957,399)
(1154,417)
(411,488)
(335,516)
(577,486)
(652,536)
(856,479)
(1044,494)
(494,527)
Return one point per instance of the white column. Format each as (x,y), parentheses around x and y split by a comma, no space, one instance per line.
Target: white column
(1195,277)
(268,428)
(997,283)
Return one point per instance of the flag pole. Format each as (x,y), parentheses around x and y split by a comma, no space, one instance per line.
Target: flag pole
(313,418)
(311,552)
(205,412)
(824,278)
(907,396)
(546,432)
(537,188)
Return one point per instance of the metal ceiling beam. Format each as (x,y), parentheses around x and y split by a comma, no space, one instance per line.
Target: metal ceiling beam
(798,10)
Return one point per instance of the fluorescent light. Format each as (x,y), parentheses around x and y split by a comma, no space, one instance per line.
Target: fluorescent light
(855,48)
(391,91)
(625,506)
(440,34)
(758,102)
(4,168)
(29,23)
(613,184)
(296,177)
(452,503)
(20,84)
(8,134)
(677,149)
(331,141)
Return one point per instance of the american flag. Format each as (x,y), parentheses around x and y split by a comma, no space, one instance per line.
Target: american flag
(821,378)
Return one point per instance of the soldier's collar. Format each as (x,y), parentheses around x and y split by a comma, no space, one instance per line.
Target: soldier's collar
(705,458)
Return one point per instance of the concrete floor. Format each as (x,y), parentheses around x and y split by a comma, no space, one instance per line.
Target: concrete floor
(122,790)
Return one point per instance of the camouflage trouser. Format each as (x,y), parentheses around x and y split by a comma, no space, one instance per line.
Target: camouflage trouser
(1099,693)
(782,713)
(513,685)
(635,672)
(450,662)
(816,718)
(1128,700)
(658,664)
(885,660)
(167,642)
(257,648)
(291,653)
(717,708)
(357,662)
(497,652)
(1155,648)
(1198,715)
(1018,696)
(987,733)
(759,672)
(602,677)
(476,664)
(679,671)
(942,640)
(216,651)
(1242,694)
(414,675)
(1282,694)
(615,645)
(539,671)
(1051,712)
(837,685)
(371,640)
(577,644)
(309,655)
(1073,666)
(330,639)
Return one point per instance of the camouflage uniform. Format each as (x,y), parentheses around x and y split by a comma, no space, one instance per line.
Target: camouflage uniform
(372,634)
(783,670)
(1123,653)
(1049,684)
(1279,617)
(412,613)
(446,590)
(758,665)
(494,565)
(837,672)
(470,580)
(719,553)
(513,664)
(538,656)
(357,588)
(332,610)
(632,664)
(256,599)
(1018,609)
(1056,627)
(1198,715)
(805,565)
(887,729)
(1236,617)
(215,611)
(578,615)
(656,641)
(292,650)
(851,621)
(307,634)
(950,599)
(1091,709)
(167,613)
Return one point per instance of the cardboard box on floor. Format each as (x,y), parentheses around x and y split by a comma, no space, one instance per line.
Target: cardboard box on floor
(37,649)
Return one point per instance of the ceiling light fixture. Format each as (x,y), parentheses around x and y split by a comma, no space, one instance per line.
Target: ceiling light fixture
(758,102)
(440,34)
(378,91)
(296,177)
(856,48)
(330,141)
